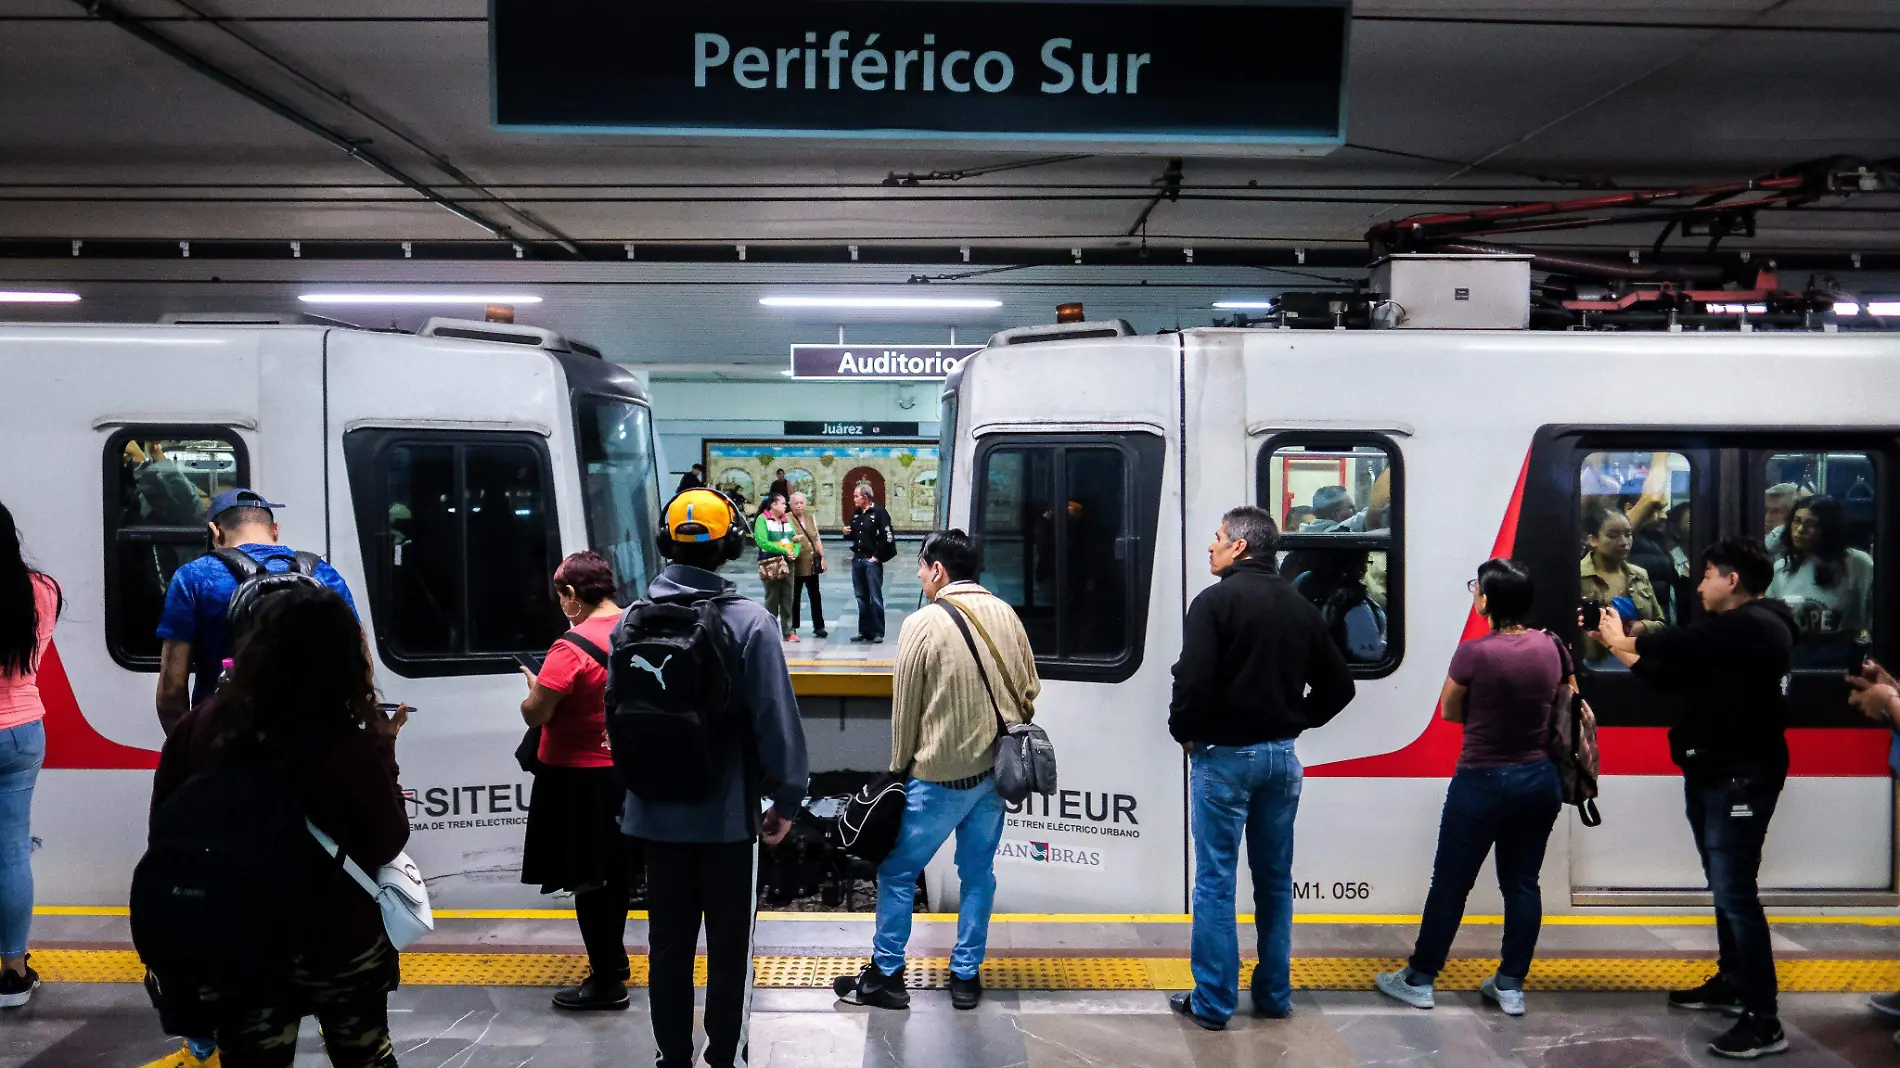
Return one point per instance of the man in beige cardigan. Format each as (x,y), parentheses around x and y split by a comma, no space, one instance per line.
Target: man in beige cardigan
(943,736)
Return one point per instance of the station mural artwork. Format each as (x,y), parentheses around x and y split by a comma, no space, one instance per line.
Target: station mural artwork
(902,473)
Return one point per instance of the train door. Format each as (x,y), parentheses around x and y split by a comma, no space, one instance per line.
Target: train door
(454,487)
(1604,505)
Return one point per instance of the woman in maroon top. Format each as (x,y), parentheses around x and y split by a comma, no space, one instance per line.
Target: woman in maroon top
(574,841)
(302,691)
(1505,792)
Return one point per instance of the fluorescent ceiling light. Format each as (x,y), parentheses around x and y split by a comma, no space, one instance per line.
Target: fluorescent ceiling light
(1846,307)
(1884,307)
(419,298)
(1243,305)
(29,296)
(1738,309)
(882,303)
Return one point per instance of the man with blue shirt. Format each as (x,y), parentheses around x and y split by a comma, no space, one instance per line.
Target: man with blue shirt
(193,627)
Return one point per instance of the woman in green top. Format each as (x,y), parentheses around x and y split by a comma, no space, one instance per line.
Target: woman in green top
(779,542)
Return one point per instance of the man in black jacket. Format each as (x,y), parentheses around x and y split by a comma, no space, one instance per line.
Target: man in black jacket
(873,541)
(1731,670)
(1257,667)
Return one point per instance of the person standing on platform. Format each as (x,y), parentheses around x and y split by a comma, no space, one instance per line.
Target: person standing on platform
(30,603)
(780,487)
(573,841)
(702,850)
(943,739)
(1257,667)
(1504,794)
(809,567)
(692,479)
(873,541)
(776,536)
(1731,669)
(196,635)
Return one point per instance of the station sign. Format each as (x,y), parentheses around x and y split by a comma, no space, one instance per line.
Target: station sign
(819,429)
(1113,76)
(878,363)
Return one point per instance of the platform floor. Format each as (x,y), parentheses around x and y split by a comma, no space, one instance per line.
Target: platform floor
(1065,991)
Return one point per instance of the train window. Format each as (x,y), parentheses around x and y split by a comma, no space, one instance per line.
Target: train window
(1818,520)
(1337,499)
(1633,542)
(158,483)
(619,490)
(1067,532)
(461,538)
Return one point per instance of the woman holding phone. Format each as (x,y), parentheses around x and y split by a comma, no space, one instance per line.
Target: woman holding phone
(574,841)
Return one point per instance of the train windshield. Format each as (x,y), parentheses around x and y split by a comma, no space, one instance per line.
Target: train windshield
(620,488)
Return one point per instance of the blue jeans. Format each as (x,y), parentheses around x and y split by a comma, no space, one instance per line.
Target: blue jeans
(1512,809)
(1254,790)
(867,581)
(22,751)
(931,813)
(1729,814)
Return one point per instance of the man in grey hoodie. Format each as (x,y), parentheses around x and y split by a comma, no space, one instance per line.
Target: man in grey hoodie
(702,855)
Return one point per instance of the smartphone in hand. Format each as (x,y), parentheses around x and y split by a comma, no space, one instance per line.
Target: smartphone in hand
(529,662)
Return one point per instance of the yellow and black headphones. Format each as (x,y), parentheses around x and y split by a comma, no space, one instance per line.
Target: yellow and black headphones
(703,515)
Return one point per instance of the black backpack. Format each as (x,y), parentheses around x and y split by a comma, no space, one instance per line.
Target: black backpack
(671,709)
(255,582)
(216,900)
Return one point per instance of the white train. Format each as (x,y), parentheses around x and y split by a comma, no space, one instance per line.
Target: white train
(1096,467)
(444,476)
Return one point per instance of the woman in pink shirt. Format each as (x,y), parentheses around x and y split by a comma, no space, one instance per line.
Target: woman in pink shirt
(29,605)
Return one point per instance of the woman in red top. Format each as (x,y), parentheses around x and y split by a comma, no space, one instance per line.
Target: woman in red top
(574,841)
(29,605)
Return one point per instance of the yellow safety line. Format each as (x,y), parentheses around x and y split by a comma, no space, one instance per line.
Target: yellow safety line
(1058,973)
(1698,919)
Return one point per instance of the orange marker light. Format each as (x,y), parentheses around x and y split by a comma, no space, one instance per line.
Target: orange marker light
(501,313)
(1069,313)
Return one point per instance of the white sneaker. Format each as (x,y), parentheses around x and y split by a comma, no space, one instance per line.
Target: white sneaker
(1393,985)
(1511,1001)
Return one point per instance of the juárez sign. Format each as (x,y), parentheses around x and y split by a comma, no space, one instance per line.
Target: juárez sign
(1112,75)
(879,362)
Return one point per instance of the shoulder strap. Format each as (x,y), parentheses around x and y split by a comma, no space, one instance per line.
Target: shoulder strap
(1002,668)
(1563,656)
(240,563)
(575,639)
(305,563)
(963,628)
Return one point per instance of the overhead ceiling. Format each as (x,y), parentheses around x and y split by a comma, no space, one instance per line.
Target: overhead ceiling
(1449,103)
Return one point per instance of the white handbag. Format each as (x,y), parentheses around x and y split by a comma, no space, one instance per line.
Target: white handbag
(398,889)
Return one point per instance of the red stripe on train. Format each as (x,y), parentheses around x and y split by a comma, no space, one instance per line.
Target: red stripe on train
(1626,750)
(71,742)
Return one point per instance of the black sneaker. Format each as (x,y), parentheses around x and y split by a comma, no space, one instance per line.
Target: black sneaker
(1886,1006)
(1184,1004)
(595,994)
(1716,995)
(1752,1036)
(965,993)
(872,987)
(16,989)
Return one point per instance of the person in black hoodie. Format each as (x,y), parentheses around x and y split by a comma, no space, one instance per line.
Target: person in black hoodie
(1257,667)
(1731,671)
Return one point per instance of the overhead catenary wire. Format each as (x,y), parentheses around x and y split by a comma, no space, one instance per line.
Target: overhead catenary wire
(441,162)
(109,11)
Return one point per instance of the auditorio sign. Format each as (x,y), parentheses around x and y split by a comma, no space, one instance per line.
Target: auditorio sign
(871,363)
(1107,74)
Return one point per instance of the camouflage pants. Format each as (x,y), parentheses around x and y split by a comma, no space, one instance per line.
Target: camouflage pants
(350,1004)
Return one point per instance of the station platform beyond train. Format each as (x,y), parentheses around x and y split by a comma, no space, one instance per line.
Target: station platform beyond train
(1064,991)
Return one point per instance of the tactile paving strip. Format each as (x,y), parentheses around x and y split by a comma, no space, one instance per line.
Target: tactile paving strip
(1802,975)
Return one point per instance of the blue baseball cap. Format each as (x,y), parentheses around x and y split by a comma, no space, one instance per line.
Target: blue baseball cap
(237,498)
